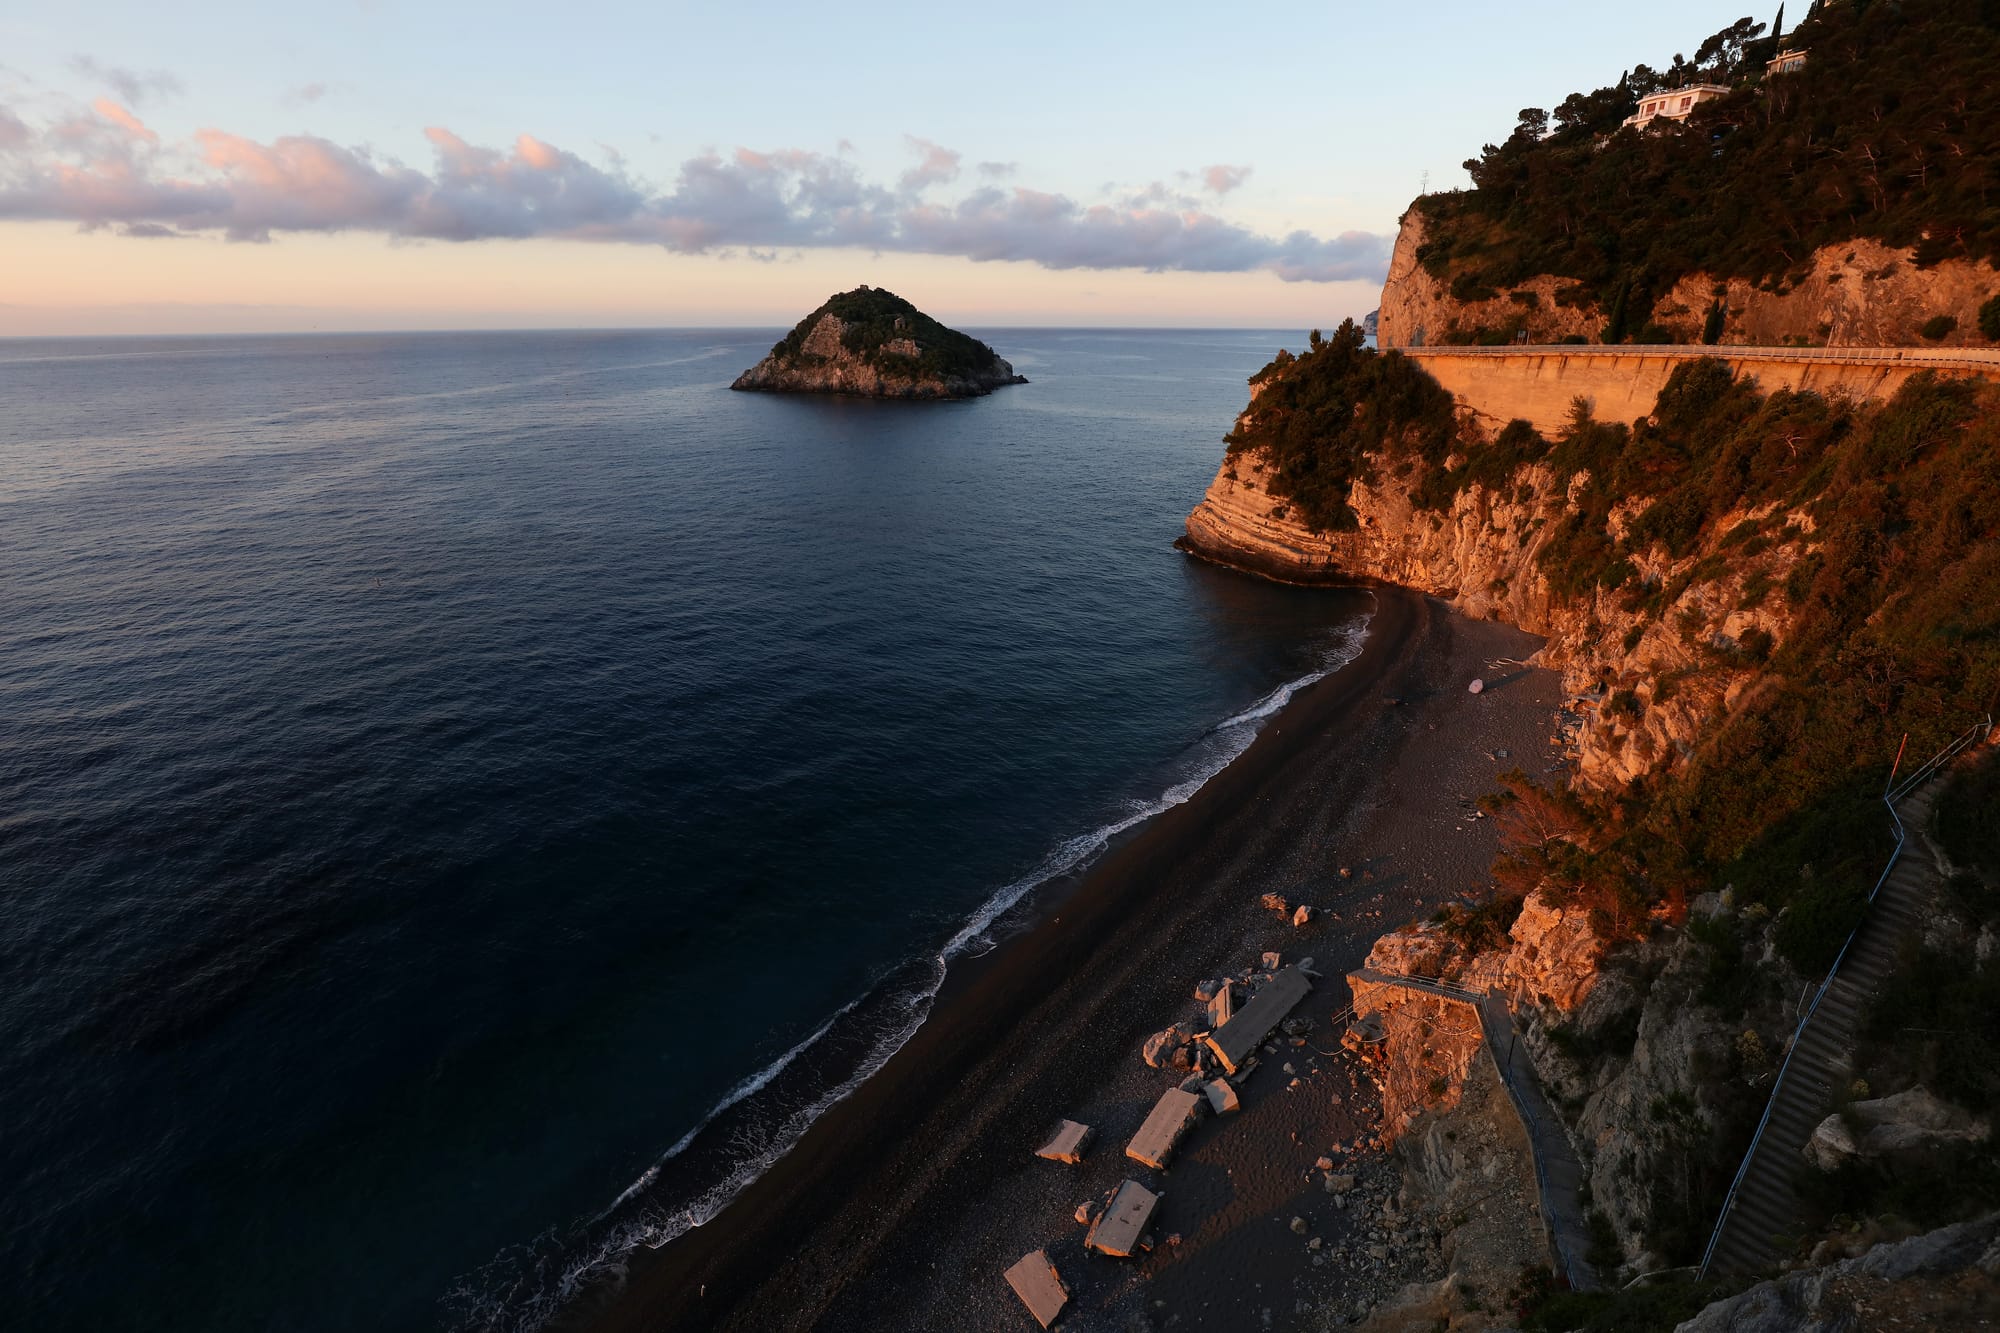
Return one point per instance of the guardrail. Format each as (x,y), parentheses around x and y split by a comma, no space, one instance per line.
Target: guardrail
(1891,794)
(1981,358)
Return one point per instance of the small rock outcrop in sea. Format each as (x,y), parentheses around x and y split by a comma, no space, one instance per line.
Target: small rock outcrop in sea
(871,343)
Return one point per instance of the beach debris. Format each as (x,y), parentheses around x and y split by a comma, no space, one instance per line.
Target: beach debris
(1158,1052)
(1315,1243)
(1222,1098)
(1323,1164)
(1303,916)
(1295,1027)
(1069,1143)
(1035,1280)
(1205,990)
(1234,1041)
(1222,1004)
(1345,873)
(1249,1067)
(1087,1211)
(1272,962)
(1171,1118)
(1117,1229)
(1193,1083)
(1365,1035)
(1275,902)
(1298,1226)
(1289,1069)
(1476,687)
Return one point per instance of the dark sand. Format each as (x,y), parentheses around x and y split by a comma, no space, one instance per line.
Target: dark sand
(902,1207)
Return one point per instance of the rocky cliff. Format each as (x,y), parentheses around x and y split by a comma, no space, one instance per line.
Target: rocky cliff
(873,344)
(1676,657)
(1857,294)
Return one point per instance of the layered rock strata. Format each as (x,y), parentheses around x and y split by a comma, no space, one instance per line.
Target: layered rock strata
(1856,294)
(1481,557)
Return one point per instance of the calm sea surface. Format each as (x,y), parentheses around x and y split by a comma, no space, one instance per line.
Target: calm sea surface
(440,774)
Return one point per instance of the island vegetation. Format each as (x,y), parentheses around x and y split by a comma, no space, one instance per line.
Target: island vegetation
(872,343)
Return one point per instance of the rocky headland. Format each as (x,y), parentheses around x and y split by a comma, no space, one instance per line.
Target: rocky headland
(870,343)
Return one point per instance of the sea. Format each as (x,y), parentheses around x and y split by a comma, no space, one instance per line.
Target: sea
(469,801)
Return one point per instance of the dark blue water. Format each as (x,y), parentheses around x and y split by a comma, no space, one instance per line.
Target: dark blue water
(437,771)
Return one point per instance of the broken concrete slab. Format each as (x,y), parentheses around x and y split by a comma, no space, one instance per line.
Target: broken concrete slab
(1035,1280)
(1204,991)
(1117,1231)
(1303,916)
(1171,1117)
(1070,1143)
(1272,962)
(1222,1005)
(1366,1032)
(1222,1097)
(1235,1040)
(1159,1048)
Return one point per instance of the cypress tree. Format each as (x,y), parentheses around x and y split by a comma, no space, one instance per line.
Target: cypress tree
(1614,327)
(1711,328)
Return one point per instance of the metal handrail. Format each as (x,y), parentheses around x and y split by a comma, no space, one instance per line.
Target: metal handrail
(1981,357)
(1970,737)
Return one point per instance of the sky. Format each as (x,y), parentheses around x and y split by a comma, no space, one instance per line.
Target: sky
(375,164)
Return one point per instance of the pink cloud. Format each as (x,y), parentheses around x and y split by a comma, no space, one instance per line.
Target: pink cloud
(1221,179)
(108,169)
(124,119)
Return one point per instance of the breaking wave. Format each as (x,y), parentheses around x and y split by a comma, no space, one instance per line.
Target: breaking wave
(763,1116)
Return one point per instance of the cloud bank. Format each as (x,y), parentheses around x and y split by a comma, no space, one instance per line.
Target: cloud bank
(104,167)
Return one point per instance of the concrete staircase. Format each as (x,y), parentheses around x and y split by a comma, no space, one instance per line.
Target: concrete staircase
(1763,1211)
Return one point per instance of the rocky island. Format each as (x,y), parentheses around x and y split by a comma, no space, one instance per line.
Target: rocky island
(871,343)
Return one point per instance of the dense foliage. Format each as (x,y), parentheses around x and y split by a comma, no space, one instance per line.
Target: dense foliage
(1317,418)
(1880,532)
(1891,131)
(873,317)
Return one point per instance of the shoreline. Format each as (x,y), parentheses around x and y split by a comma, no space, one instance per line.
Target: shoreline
(921,1158)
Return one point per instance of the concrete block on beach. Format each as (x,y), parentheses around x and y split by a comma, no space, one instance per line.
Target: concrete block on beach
(1118,1229)
(1035,1280)
(1222,1005)
(1222,1097)
(1070,1143)
(1172,1115)
(1235,1040)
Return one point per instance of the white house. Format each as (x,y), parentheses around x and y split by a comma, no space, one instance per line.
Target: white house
(1675,104)
(1786,62)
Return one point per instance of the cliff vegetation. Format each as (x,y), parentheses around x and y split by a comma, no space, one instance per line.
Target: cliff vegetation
(1753,597)
(1888,136)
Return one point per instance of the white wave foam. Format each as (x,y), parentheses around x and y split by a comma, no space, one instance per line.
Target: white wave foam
(606,1259)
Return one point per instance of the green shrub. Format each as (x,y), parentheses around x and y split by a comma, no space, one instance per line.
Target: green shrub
(1989,320)
(1319,416)
(1937,327)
